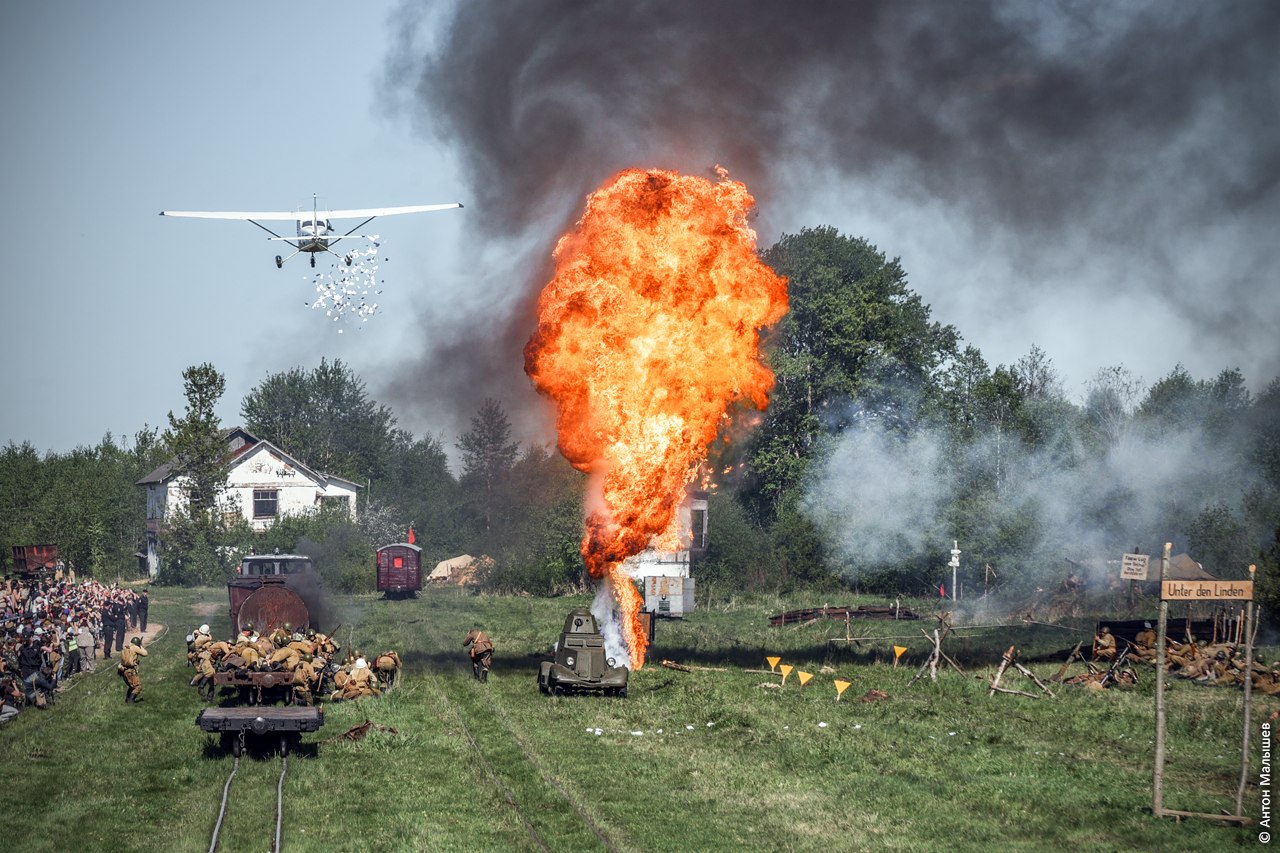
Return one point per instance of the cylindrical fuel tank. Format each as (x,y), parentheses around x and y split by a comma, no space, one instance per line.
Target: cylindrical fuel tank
(270,607)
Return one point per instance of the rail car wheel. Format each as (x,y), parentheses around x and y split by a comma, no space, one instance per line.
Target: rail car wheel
(284,744)
(237,744)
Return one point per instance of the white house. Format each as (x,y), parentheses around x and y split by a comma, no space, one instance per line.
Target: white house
(263,483)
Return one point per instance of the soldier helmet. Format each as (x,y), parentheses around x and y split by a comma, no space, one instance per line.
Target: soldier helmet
(137,641)
(1106,629)
(1146,625)
(1220,656)
(288,626)
(308,658)
(361,663)
(204,629)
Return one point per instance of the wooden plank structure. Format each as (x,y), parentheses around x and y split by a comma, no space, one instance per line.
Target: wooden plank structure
(862,611)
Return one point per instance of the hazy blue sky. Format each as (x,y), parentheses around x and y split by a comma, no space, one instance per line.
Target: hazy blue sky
(115,111)
(1100,181)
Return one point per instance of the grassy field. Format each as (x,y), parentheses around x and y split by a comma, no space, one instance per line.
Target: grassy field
(690,761)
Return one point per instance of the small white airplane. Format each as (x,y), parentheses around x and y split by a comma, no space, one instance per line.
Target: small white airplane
(314,228)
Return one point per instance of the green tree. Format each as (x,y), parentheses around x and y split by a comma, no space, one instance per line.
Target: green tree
(324,417)
(488,456)
(197,443)
(855,334)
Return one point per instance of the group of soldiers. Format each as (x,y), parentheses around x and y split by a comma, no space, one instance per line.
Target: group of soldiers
(307,655)
(1203,662)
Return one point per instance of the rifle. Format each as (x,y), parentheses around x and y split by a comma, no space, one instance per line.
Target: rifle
(1120,661)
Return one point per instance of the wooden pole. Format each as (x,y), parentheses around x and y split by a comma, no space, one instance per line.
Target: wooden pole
(1248,697)
(1062,673)
(1157,776)
(937,655)
(1004,663)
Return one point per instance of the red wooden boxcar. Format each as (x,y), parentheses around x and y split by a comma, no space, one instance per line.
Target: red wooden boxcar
(399,569)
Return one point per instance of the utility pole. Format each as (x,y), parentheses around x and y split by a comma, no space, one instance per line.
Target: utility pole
(955,566)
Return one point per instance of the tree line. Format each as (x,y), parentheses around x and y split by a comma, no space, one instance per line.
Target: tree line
(887,438)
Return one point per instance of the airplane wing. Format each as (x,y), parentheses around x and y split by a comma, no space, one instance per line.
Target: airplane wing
(267,216)
(385,211)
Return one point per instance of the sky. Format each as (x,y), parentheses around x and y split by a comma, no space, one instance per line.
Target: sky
(1100,181)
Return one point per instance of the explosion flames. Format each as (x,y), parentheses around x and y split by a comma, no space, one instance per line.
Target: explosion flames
(647,334)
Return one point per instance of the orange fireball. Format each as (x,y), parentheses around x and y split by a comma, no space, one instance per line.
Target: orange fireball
(647,334)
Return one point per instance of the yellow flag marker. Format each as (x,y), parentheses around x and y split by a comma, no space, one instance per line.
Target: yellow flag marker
(841,687)
(773,663)
(804,677)
(786,670)
(897,653)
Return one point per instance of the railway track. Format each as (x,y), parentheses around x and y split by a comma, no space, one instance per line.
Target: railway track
(481,719)
(226,792)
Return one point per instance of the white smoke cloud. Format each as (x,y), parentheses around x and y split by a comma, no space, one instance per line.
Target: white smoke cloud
(882,499)
(615,646)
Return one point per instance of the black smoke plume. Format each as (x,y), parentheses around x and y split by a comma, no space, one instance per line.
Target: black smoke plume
(1136,144)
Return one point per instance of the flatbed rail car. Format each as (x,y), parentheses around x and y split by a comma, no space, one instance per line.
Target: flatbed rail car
(399,568)
(254,685)
(235,725)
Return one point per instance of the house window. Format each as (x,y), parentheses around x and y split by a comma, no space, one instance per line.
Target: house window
(265,503)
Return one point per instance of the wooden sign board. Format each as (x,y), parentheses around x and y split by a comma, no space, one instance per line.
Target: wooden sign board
(1133,567)
(1207,590)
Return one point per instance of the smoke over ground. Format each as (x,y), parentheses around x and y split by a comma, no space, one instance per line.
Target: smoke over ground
(881,500)
(1050,173)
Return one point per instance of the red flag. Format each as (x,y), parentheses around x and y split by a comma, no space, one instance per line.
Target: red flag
(942,590)
(412,538)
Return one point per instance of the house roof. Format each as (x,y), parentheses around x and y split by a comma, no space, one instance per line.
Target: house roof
(240,442)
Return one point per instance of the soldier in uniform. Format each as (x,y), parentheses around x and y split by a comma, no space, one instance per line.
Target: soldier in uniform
(130,657)
(481,653)
(360,683)
(304,677)
(203,680)
(1104,645)
(386,665)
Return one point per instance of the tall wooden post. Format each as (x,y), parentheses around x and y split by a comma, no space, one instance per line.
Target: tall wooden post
(1248,698)
(1157,781)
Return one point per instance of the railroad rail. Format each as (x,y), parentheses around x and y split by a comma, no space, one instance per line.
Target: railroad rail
(226,790)
(236,725)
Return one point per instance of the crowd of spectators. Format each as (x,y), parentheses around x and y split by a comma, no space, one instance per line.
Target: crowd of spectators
(54,627)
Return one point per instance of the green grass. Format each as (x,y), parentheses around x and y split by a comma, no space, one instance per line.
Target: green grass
(722,764)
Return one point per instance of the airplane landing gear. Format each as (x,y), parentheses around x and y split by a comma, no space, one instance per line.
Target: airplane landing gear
(279,262)
(313,261)
(348,259)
